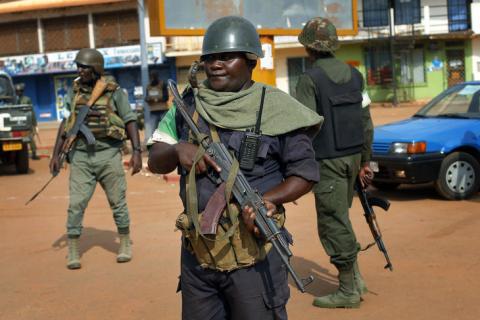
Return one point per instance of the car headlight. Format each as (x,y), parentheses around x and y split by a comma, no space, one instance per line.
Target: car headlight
(409,147)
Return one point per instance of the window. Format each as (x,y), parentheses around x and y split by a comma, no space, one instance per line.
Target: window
(19,38)
(378,65)
(296,67)
(458,14)
(65,33)
(116,28)
(375,12)
(412,68)
(407,12)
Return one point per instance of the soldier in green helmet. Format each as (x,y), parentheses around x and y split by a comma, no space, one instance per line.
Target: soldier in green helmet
(229,271)
(343,149)
(110,120)
(23,99)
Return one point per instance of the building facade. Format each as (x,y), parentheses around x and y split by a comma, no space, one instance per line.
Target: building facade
(431,45)
(39,44)
(406,49)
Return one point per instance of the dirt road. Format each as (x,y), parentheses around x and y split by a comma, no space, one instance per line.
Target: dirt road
(433,244)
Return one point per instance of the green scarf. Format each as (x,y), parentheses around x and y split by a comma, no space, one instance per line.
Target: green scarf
(238,110)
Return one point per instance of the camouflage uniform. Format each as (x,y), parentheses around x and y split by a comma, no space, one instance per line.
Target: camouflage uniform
(97,160)
(102,164)
(334,192)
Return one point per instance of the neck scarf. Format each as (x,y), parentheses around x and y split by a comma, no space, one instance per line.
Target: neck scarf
(238,110)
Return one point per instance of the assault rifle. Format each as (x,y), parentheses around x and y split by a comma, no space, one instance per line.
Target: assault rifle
(243,193)
(367,204)
(72,135)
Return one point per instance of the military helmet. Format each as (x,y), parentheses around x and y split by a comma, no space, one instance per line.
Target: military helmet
(20,87)
(92,58)
(232,34)
(319,34)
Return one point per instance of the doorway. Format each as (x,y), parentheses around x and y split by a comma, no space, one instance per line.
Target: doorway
(455,66)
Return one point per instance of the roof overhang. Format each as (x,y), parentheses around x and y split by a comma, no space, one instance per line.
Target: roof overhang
(34,5)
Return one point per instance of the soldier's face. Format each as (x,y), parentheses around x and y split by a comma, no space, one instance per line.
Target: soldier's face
(228,71)
(85,72)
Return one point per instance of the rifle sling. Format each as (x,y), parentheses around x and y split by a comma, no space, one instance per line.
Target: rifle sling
(192,201)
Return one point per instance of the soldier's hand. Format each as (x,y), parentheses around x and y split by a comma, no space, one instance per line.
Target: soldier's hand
(186,155)
(54,165)
(136,162)
(249,215)
(366,175)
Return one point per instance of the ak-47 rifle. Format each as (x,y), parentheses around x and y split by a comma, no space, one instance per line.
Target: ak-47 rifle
(243,193)
(72,135)
(367,204)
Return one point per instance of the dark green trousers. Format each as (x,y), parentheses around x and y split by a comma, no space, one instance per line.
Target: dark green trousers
(333,198)
(86,169)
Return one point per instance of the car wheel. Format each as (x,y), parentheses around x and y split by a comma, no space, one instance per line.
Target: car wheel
(21,159)
(459,176)
(388,186)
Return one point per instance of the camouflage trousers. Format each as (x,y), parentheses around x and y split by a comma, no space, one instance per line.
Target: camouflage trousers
(86,169)
(333,198)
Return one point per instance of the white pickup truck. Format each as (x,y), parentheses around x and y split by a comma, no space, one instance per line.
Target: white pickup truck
(15,127)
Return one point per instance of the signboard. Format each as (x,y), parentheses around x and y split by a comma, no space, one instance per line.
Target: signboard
(62,62)
(62,83)
(271,17)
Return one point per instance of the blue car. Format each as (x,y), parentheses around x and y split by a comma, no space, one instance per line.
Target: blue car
(440,143)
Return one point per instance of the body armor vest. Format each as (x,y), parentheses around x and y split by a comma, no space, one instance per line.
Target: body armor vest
(101,119)
(341,107)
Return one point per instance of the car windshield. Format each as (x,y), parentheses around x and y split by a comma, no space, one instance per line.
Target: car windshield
(6,90)
(458,102)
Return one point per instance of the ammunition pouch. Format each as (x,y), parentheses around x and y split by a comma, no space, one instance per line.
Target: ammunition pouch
(101,119)
(116,127)
(222,252)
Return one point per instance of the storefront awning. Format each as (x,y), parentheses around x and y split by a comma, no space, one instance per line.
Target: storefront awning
(32,5)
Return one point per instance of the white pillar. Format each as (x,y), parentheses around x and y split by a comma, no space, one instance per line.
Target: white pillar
(41,48)
(475,10)
(476,58)
(392,17)
(91,31)
(426,19)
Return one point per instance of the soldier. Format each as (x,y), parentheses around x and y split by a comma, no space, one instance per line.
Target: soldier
(157,99)
(110,120)
(343,149)
(23,99)
(237,276)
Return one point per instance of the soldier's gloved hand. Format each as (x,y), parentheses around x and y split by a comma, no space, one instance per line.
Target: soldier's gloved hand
(54,165)
(249,215)
(365,175)
(136,162)
(186,155)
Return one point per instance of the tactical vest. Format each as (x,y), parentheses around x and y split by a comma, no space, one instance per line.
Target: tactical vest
(101,119)
(233,246)
(341,107)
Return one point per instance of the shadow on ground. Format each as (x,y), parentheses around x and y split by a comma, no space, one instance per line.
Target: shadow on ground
(413,192)
(92,237)
(408,192)
(11,170)
(324,281)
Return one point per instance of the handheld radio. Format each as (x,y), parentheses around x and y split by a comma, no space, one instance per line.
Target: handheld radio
(251,141)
